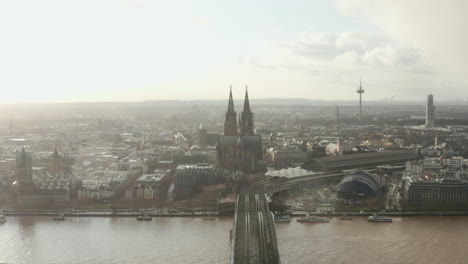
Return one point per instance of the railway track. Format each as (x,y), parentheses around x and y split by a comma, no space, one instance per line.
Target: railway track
(254,235)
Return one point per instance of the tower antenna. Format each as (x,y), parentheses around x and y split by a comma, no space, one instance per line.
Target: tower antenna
(360,91)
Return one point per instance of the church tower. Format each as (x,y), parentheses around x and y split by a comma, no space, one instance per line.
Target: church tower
(56,167)
(230,123)
(246,122)
(24,167)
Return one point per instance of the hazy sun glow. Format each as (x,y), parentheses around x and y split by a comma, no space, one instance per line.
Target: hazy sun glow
(61,51)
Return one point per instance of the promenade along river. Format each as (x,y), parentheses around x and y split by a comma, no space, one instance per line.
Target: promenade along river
(193,240)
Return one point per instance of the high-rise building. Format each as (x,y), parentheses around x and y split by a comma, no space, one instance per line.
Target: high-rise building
(202,136)
(340,147)
(335,112)
(430,111)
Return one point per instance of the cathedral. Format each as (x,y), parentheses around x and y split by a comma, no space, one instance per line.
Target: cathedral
(239,148)
(40,186)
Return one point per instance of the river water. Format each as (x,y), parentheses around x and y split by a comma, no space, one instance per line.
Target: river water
(168,240)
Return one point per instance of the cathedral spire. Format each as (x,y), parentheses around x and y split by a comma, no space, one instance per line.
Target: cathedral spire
(56,155)
(230,123)
(246,122)
(246,101)
(23,158)
(231,101)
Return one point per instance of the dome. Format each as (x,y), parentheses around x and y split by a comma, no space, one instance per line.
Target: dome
(359,182)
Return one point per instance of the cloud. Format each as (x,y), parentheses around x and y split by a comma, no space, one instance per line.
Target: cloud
(318,46)
(339,59)
(433,27)
(349,57)
(364,48)
(359,40)
(390,56)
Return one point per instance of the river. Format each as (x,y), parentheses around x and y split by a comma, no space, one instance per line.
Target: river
(168,240)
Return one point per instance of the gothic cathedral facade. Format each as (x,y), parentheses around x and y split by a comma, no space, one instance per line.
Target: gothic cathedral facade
(239,148)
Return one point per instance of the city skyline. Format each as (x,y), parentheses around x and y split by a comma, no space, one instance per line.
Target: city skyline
(245,132)
(137,50)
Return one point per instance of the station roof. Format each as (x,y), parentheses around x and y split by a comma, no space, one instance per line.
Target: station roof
(360,160)
(359,182)
(291,173)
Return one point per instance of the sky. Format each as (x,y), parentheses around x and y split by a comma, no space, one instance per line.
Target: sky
(136,50)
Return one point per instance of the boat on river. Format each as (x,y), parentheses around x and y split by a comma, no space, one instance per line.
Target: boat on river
(379,218)
(59,217)
(144,217)
(313,219)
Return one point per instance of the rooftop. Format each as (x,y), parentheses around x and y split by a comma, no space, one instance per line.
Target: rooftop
(154,177)
(195,166)
(291,173)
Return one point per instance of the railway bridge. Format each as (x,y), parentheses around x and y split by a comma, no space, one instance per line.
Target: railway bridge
(253,233)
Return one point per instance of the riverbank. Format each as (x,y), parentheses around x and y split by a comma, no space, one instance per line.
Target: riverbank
(105,213)
(399,213)
(157,213)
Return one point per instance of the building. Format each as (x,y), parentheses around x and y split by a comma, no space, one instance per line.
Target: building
(291,173)
(430,111)
(24,169)
(414,167)
(361,160)
(165,164)
(454,163)
(432,163)
(43,179)
(36,186)
(418,192)
(189,177)
(448,174)
(97,193)
(149,186)
(239,148)
(335,113)
(435,192)
(202,136)
(285,157)
(191,158)
(180,140)
(44,197)
(212,138)
(206,138)
(102,184)
(359,186)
